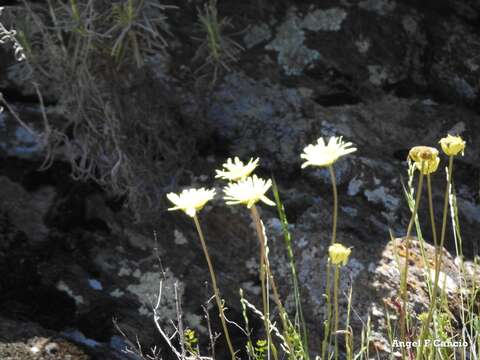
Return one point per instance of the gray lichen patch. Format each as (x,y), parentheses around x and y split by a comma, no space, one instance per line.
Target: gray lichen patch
(354,186)
(293,55)
(378,74)
(325,20)
(146,290)
(363,44)
(180,238)
(62,286)
(380,195)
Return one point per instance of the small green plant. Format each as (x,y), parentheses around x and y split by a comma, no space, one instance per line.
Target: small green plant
(261,350)
(191,342)
(217,51)
(137,27)
(300,327)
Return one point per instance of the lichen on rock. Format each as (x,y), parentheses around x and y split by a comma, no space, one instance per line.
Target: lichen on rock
(147,288)
(324,20)
(293,55)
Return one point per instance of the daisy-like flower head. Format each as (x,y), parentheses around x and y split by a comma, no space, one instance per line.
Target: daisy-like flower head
(429,166)
(419,153)
(322,154)
(191,200)
(248,192)
(235,170)
(338,254)
(452,145)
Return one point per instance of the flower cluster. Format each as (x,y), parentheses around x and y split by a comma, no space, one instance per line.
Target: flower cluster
(426,158)
(245,188)
(241,189)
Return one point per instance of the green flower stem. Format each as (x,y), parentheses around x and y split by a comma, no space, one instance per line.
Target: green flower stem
(263,279)
(404,275)
(276,295)
(335,204)
(438,254)
(215,287)
(327,322)
(335,302)
(431,211)
(299,318)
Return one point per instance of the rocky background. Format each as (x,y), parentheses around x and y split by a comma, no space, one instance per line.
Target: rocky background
(77,252)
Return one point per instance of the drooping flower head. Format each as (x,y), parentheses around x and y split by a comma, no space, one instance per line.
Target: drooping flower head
(191,200)
(452,145)
(425,158)
(235,170)
(338,254)
(429,166)
(419,153)
(322,154)
(248,191)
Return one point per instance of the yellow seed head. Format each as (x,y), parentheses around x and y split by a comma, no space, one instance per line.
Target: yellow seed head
(452,145)
(419,153)
(338,254)
(429,166)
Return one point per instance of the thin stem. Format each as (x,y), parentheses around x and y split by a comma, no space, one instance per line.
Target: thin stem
(445,210)
(431,211)
(276,295)
(299,317)
(263,278)
(327,323)
(335,302)
(438,253)
(215,287)
(403,283)
(335,204)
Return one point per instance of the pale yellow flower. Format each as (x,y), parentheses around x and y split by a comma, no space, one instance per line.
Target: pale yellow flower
(322,154)
(452,145)
(191,200)
(248,191)
(429,166)
(236,170)
(425,158)
(338,254)
(423,316)
(419,153)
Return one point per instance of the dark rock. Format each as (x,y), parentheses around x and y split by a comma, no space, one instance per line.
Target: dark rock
(26,210)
